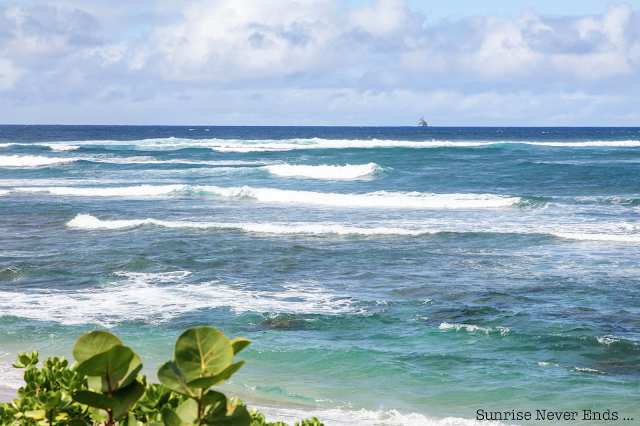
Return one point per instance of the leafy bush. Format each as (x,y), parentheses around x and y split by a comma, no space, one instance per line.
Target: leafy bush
(103,386)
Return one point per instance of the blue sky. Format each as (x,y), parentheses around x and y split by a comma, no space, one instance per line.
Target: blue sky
(320,62)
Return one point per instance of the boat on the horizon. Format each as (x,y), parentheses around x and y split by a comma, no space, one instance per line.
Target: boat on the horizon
(422,122)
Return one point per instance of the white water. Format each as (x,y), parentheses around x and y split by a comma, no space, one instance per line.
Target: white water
(159,297)
(86,221)
(324,171)
(31,161)
(388,199)
(258,145)
(89,222)
(471,328)
(339,417)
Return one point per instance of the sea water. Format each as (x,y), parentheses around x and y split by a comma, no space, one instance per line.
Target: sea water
(387,276)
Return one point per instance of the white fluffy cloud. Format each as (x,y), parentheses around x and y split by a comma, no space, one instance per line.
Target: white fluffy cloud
(316,56)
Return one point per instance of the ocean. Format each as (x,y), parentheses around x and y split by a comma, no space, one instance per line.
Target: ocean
(387,276)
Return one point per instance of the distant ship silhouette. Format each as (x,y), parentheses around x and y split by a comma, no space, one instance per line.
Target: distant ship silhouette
(422,122)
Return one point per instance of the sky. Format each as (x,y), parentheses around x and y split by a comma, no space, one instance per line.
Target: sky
(320,62)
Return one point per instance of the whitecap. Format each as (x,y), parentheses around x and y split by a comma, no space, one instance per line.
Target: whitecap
(385,199)
(472,328)
(600,237)
(159,297)
(127,191)
(329,172)
(263,145)
(31,160)
(87,221)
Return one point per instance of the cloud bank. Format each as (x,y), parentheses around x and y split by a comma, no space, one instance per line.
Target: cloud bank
(313,62)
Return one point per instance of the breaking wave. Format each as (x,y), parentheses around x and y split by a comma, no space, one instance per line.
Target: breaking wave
(387,199)
(31,161)
(53,146)
(259,145)
(339,417)
(324,171)
(472,328)
(87,221)
(159,297)
(622,238)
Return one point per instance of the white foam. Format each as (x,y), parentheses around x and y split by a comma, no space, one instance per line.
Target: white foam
(339,417)
(612,144)
(159,297)
(87,221)
(126,191)
(587,370)
(257,145)
(390,199)
(606,340)
(10,376)
(31,161)
(600,237)
(54,146)
(152,160)
(387,199)
(472,328)
(4,192)
(324,171)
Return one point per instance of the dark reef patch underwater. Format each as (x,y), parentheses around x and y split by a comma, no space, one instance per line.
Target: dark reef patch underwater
(387,276)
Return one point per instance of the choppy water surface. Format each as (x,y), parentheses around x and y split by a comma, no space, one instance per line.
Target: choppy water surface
(386,275)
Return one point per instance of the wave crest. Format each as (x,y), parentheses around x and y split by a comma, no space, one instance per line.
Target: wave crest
(384,199)
(31,161)
(87,221)
(324,171)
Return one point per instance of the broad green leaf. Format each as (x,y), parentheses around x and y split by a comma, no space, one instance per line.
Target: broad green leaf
(238,344)
(93,343)
(170,418)
(98,414)
(100,384)
(132,372)
(126,397)
(188,411)
(171,376)
(36,414)
(94,399)
(111,365)
(212,398)
(76,422)
(129,420)
(207,382)
(229,415)
(202,351)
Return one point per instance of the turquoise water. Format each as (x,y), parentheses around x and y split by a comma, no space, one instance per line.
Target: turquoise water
(433,272)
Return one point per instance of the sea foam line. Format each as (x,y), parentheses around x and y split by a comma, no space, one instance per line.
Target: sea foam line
(31,160)
(324,171)
(53,146)
(160,297)
(339,417)
(389,199)
(87,221)
(471,328)
(259,145)
(622,238)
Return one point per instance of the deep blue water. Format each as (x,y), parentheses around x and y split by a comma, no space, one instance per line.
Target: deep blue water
(433,271)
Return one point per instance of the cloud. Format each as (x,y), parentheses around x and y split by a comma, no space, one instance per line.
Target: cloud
(316,56)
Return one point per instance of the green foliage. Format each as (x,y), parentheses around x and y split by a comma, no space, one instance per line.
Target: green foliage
(104,388)
(258,419)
